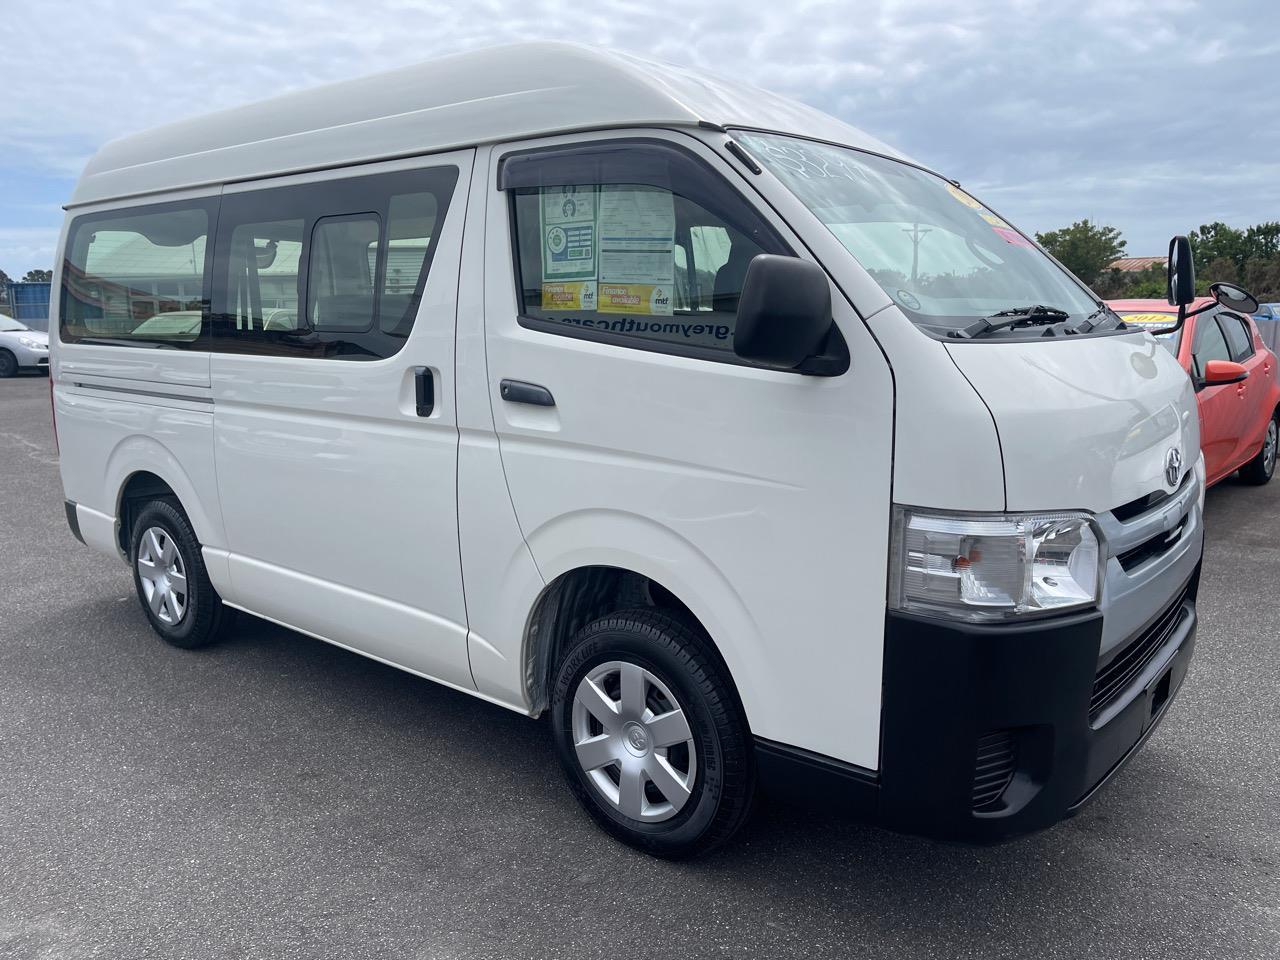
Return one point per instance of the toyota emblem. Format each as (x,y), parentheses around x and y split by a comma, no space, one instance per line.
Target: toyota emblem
(1173,467)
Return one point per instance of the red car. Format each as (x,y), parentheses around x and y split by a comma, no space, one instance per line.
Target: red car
(1235,379)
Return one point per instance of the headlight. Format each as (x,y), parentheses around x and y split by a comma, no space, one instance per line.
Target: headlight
(993,566)
(31,343)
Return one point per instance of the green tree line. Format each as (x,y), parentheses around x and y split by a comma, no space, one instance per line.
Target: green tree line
(1248,257)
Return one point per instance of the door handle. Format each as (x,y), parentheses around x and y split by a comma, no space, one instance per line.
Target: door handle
(517,391)
(424,391)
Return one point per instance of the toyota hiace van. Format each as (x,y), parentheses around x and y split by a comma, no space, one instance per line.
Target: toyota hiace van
(744,446)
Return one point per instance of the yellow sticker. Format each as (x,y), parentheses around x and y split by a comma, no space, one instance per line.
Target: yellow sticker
(964,198)
(995,221)
(569,295)
(653,299)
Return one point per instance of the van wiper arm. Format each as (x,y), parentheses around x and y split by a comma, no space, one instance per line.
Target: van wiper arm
(1110,321)
(1035,315)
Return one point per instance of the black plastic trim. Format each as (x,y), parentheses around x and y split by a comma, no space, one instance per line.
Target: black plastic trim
(948,685)
(800,775)
(73,520)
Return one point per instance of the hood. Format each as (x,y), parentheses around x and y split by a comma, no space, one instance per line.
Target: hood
(29,334)
(1087,423)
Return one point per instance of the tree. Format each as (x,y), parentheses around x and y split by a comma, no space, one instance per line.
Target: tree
(38,276)
(1085,248)
(1216,241)
(4,287)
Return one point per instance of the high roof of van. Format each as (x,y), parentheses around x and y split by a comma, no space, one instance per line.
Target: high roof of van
(501,93)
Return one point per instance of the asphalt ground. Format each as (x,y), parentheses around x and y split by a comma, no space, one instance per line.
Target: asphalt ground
(278,797)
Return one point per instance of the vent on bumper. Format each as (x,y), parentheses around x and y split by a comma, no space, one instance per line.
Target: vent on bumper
(1115,677)
(993,767)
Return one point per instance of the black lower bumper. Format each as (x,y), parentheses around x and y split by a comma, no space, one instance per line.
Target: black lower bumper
(989,732)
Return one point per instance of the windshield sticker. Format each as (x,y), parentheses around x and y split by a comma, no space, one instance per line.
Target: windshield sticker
(637,251)
(995,221)
(1013,236)
(568,222)
(908,300)
(963,197)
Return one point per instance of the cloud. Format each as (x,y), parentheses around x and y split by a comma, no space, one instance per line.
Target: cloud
(1152,115)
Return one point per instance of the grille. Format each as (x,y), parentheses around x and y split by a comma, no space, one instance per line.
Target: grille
(1134,508)
(1113,679)
(1156,546)
(993,766)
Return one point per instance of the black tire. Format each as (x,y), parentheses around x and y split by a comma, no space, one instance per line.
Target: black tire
(8,365)
(678,654)
(1261,468)
(203,618)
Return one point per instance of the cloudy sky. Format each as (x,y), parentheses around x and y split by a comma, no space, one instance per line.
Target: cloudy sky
(1151,115)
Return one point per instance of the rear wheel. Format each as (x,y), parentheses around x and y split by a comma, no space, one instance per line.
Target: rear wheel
(1260,469)
(650,734)
(172,583)
(8,365)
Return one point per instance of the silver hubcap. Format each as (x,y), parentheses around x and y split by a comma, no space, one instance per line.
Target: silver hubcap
(633,741)
(1269,447)
(163,575)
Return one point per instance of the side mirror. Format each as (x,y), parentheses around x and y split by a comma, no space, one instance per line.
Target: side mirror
(1220,372)
(1234,298)
(784,313)
(1182,272)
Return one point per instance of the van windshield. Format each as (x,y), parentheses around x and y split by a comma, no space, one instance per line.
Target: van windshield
(944,258)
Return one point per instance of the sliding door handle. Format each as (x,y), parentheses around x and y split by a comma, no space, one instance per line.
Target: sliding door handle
(517,391)
(425,390)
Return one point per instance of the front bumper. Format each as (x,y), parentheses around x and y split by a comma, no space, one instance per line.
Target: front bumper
(991,731)
(29,359)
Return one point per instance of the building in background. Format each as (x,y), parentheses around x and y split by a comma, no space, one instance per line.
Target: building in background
(28,302)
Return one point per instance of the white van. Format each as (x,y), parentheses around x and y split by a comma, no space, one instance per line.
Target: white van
(743,445)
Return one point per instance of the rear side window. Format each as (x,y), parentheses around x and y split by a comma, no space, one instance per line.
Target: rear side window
(636,244)
(1239,339)
(334,269)
(138,277)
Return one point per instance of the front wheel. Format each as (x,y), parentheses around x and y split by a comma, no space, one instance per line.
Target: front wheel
(8,365)
(650,734)
(1260,469)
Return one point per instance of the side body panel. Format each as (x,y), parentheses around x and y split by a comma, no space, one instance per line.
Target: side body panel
(759,498)
(125,409)
(339,500)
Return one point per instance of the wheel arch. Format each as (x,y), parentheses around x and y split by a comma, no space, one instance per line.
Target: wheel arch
(583,594)
(141,468)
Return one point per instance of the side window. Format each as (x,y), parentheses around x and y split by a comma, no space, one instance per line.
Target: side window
(334,269)
(1210,343)
(1239,338)
(636,244)
(137,277)
(340,276)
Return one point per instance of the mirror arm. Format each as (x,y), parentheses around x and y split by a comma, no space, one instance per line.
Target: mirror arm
(1184,316)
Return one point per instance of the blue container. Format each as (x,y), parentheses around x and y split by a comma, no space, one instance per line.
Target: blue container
(29,302)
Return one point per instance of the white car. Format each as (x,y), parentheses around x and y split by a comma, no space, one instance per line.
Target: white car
(21,348)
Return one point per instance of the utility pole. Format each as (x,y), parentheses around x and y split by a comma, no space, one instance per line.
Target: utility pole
(916,236)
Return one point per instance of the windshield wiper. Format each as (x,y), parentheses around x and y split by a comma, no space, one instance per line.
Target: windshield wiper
(1035,315)
(1110,321)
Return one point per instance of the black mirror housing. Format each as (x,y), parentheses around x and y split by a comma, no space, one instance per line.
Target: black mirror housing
(1233,297)
(1181,272)
(784,313)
